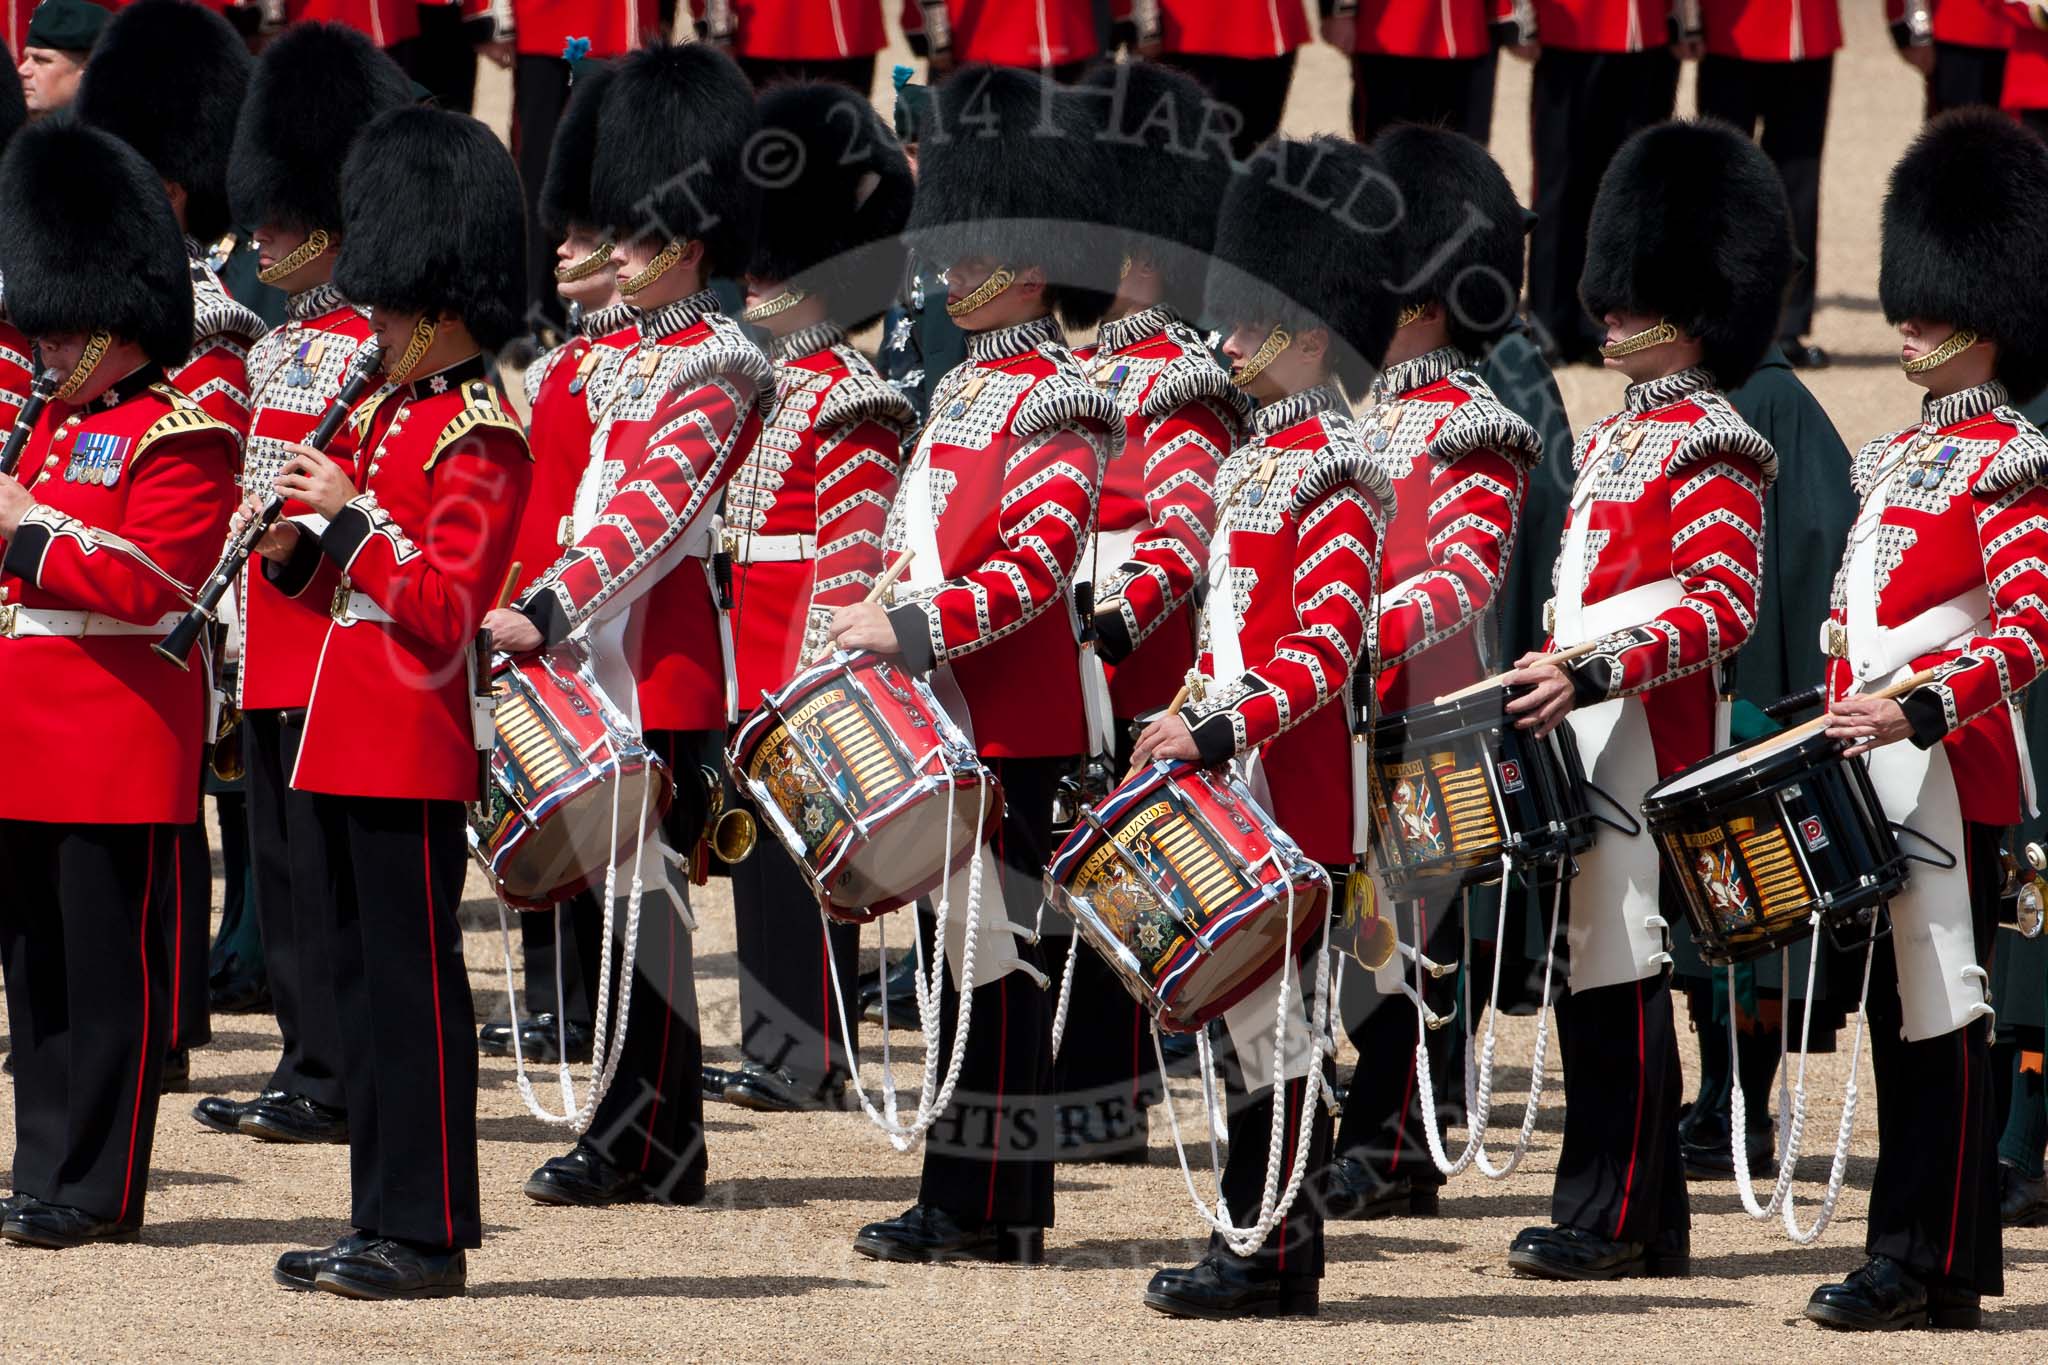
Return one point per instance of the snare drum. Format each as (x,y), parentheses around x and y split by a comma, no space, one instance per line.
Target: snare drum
(1457,786)
(564,754)
(1182,884)
(1758,839)
(852,764)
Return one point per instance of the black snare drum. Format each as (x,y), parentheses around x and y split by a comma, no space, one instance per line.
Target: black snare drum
(1758,841)
(1456,787)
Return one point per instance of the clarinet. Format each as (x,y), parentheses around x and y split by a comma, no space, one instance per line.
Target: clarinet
(39,395)
(177,646)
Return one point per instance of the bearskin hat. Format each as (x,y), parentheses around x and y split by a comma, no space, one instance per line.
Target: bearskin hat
(13,110)
(168,78)
(90,243)
(1461,231)
(1308,238)
(1011,167)
(831,224)
(1167,177)
(1966,238)
(286,166)
(674,136)
(565,189)
(432,221)
(1690,225)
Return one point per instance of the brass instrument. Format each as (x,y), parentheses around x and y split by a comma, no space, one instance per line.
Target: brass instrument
(2023,896)
(730,832)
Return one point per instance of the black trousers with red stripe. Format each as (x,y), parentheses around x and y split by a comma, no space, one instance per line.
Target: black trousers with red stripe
(394,871)
(1619,1174)
(989,1158)
(652,1120)
(1443,92)
(188,936)
(1382,1121)
(789,1009)
(293,913)
(1934,1197)
(1295,1246)
(87,1006)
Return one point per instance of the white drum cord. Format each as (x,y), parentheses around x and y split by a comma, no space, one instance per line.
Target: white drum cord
(1539,1055)
(933,1096)
(1274,1201)
(1794,1104)
(1059,1013)
(606,1049)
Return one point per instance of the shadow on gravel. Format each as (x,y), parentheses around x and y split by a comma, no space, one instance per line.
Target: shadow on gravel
(789,1192)
(160,1179)
(669,1287)
(1469,1307)
(527,1128)
(1367,1246)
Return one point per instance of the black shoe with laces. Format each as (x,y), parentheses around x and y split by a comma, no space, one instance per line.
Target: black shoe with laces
(1222,1286)
(387,1268)
(298,1269)
(582,1177)
(55,1227)
(771,1089)
(1352,1191)
(224,1115)
(1883,1296)
(295,1118)
(2022,1199)
(925,1233)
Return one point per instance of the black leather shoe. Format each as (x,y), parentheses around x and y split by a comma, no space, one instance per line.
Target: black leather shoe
(2022,1199)
(495,1038)
(1352,1191)
(1803,356)
(298,1269)
(540,1039)
(925,1233)
(1884,1296)
(1704,1146)
(1552,1253)
(295,1119)
(239,995)
(11,1203)
(177,1072)
(901,986)
(715,1081)
(33,1223)
(389,1269)
(584,1179)
(224,1115)
(1221,1285)
(774,1090)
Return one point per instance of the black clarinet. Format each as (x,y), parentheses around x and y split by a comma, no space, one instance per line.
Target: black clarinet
(39,395)
(177,646)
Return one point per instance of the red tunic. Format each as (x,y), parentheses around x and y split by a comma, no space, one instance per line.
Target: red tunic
(1182,416)
(1427,28)
(2026,64)
(1305,512)
(1249,28)
(1602,25)
(100,729)
(1771,30)
(1035,33)
(1973,532)
(1965,23)
(805,515)
(542,28)
(294,373)
(561,389)
(384,22)
(216,374)
(1671,488)
(1014,451)
(17,373)
(1459,462)
(797,30)
(681,410)
(424,547)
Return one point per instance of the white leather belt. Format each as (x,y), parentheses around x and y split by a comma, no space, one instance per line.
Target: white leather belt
(26,623)
(754,549)
(1597,620)
(1875,651)
(356,606)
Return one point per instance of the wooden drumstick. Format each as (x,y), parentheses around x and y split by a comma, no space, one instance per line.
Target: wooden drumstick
(889,577)
(1171,707)
(511,582)
(1501,679)
(1820,722)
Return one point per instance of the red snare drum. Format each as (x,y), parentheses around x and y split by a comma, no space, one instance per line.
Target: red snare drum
(850,763)
(563,754)
(1182,883)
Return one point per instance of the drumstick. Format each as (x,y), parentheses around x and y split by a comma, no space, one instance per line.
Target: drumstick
(511,582)
(889,577)
(1820,722)
(1501,679)
(1171,707)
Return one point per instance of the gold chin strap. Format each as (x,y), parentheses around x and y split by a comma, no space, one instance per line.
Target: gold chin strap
(585,268)
(415,351)
(995,284)
(88,360)
(1960,340)
(1124,271)
(774,307)
(299,258)
(1663,334)
(663,261)
(1277,340)
(1412,314)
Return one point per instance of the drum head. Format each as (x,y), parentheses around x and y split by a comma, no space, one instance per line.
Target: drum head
(571,849)
(1750,767)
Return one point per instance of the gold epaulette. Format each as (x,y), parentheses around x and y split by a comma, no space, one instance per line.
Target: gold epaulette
(185,415)
(481,410)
